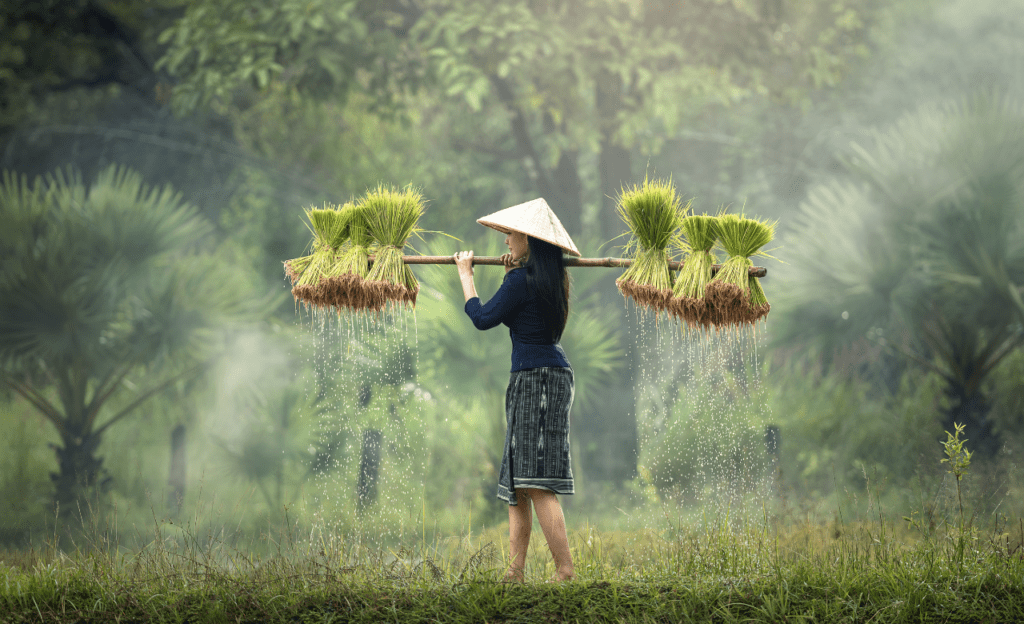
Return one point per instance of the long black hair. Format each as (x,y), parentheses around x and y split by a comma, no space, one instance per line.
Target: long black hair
(548,280)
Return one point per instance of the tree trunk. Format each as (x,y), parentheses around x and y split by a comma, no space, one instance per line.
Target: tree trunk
(562,186)
(369,470)
(615,170)
(614,161)
(971,408)
(79,472)
(569,192)
(176,475)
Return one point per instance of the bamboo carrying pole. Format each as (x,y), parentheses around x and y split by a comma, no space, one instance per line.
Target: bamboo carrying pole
(755,271)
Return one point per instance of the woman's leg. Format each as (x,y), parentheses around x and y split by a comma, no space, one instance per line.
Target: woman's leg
(549,513)
(520,522)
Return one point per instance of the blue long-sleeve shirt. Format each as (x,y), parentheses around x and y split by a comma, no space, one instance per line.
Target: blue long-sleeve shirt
(513,306)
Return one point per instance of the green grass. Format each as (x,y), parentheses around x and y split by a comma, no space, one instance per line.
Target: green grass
(820,573)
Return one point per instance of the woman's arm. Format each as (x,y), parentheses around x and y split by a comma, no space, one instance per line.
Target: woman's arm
(503,305)
(464,260)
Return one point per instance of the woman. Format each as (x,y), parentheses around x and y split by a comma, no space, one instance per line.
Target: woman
(533,302)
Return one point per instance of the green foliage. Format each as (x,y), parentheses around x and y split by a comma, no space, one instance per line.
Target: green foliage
(106,294)
(1006,387)
(920,244)
(221,47)
(25,461)
(710,447)
(540,88)
(836,430)
(270,451)
(55,55)
(671,59)
(958,458)
(81,252)
(918,249)
(321,149)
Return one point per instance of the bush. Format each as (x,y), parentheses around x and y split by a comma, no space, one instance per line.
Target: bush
(712,444)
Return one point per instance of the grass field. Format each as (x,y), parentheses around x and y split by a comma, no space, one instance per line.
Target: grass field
(759,572)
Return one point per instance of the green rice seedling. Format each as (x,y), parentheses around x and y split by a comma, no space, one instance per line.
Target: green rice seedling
(349,272)
(293,268)
(330,230)
(688,303)
(337,277)
(322,220)
(391,218)
(734,296)
(653,212)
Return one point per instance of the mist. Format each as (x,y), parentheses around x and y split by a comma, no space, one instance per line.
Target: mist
(150,292)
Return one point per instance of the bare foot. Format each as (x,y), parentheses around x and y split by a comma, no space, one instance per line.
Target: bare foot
(514,575)
(562,576)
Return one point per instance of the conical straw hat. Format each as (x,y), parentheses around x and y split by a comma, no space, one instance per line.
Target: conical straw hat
(534,218)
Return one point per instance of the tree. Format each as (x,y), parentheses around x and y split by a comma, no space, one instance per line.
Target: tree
(918,250)
(571,80)
(106,299)
(611,78)
(52,46)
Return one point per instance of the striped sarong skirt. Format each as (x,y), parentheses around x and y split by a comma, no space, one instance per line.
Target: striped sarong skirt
(536,454)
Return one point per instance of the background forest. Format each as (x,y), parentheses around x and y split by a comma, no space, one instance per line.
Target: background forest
(158,156)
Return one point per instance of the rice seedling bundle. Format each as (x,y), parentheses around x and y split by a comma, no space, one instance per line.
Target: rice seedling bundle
(391,218)
(330,231)
(653,212)
(293,268)
(734,296)
(349,271)
(688,302)
(336,278)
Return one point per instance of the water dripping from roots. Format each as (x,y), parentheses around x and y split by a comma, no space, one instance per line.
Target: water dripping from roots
(704,426)
(369,453)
